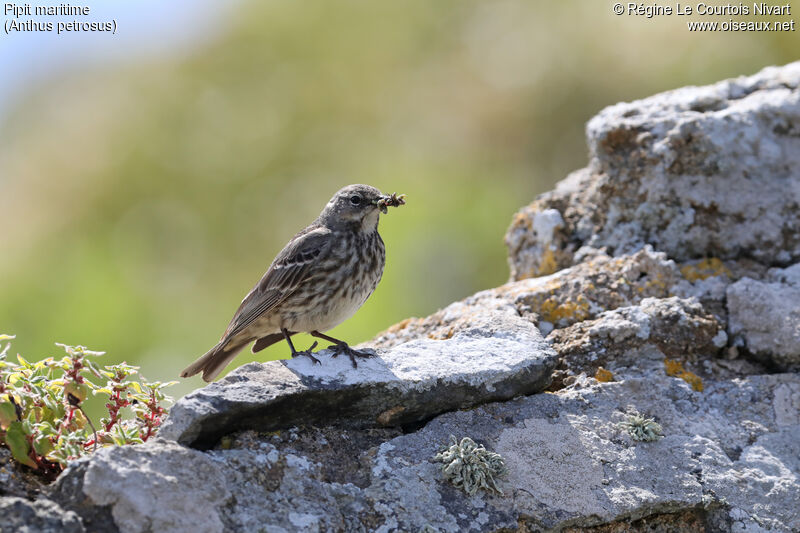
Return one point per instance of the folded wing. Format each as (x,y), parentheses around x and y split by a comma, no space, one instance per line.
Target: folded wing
(286,273)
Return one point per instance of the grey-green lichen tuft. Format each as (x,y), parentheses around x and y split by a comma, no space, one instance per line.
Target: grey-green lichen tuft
(470,467)
(642,429)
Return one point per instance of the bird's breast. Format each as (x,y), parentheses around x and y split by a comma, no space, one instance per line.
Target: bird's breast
(339,284)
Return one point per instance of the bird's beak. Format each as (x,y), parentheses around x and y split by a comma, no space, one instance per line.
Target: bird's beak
(390,200)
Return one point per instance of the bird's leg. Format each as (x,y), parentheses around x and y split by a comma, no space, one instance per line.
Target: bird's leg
(340,347)
(295,353)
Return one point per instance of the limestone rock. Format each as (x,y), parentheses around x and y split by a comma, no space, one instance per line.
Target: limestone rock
(765,316)
(41,516)
(656,329)
(599,284)
(158,486)
(696,172)
(666,258)
(582,292)
(725,459)
(491,353)
(17,480)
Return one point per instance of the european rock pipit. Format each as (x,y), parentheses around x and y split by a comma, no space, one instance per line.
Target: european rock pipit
(319,280)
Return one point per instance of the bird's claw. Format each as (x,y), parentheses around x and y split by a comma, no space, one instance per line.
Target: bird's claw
(308,353)
(351,352)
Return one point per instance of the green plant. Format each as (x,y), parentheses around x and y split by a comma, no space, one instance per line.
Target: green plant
(470,467)
(642,429)
(42,420)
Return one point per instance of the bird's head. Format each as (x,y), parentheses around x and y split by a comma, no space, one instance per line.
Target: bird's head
(358,206)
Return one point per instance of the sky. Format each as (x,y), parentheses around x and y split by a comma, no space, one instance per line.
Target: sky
(144,27)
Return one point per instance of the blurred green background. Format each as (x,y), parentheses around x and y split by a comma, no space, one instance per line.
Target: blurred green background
(140,199)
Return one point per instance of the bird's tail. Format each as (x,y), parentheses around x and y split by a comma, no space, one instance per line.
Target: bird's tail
(214,361)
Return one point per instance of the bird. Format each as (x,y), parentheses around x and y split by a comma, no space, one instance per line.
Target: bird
(320,279)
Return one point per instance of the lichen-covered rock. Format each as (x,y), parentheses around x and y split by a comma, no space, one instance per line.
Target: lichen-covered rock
(765,316)
(16,480)
(656,329)
(653,422)
(489,353)
(159,486)
(488,311)
(599,284)
(582,292)
(18,515)
(726,457)
(712,443)
(695,172)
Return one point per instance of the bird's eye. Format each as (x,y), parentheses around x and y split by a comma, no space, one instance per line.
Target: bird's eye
(355,199)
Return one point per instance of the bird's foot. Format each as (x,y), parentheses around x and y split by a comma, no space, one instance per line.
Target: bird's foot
(351,352)
(308,353)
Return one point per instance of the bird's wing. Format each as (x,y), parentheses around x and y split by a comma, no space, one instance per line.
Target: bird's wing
(289,269)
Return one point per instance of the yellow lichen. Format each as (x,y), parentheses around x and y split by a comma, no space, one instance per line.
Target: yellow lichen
(527,274)
(674,368)
(522,219)
(552,310)
(707,268)
(657,282)
(442,335)
(693,380)
(548,264)
(401,325)
(553,285)
(603,376)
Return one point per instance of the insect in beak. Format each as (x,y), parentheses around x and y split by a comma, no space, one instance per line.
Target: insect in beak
(390,200)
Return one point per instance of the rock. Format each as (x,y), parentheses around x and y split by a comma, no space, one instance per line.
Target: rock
(17,480)
(656,329)
(666,258)
(728,457)
(711,451)
(690,521)
(489,354)
(696,172)
(159,486)
(41,516)
(599,284)
(790,276)
(582,292)
(67,491)
(765,316)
